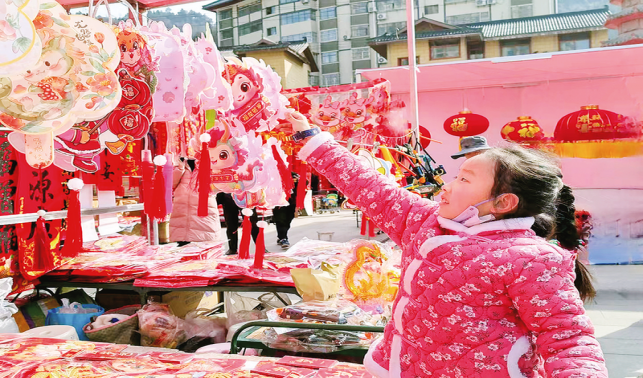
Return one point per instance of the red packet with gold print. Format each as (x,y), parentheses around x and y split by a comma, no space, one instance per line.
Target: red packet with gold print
(343,371)
(306,362)
(281,371)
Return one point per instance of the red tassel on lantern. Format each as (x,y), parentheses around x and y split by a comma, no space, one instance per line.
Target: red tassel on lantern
(204,176)
(148,175)
(43,260)
(302,186)
(362,231)
(286,178)
(159,210)
(371,229)
(260,248)
(74,239)
(244,247)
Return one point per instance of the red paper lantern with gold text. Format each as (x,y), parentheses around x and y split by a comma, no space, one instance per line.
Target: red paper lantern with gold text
(524,130)
(425,136)
(466,124)
(593,133)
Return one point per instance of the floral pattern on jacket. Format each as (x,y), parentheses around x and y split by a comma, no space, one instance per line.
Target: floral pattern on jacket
(493,300)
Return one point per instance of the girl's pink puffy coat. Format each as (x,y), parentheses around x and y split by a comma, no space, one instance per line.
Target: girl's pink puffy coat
(493,300)
(185,223)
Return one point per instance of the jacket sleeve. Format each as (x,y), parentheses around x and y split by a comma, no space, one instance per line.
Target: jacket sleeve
(549,304)
(394,210)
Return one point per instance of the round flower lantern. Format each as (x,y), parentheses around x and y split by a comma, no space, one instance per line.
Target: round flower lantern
(466,124)
(524,130)
(593,133)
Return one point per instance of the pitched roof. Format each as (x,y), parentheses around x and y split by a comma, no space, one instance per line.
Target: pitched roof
(300,49)
(560,22)
(218,4)
(515,28)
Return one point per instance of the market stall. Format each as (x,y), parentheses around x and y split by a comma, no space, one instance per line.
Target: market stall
(583,105)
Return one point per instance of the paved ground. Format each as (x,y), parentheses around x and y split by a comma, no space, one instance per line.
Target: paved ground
(617,312)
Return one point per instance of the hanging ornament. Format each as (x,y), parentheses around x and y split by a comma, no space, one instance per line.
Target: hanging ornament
(74,239)
(466,124)
(204,175)
(523,130)
(260,245)
(159,209)
(593,133)
(244,246)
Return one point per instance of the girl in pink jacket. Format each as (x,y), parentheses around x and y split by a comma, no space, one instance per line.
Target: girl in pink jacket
(481,294)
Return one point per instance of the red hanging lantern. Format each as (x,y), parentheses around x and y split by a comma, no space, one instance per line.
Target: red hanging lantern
(595,133)
(466,124)
(523,130)
(425,136)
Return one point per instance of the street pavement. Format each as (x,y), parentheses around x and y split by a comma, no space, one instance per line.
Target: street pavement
(617,312)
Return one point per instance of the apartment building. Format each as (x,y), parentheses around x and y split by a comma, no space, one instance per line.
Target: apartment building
(340,32)
(437,42)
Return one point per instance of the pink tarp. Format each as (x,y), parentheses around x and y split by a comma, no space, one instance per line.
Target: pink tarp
(546,87)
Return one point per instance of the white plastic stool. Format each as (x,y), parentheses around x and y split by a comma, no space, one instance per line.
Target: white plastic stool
(54,332)
(328,235)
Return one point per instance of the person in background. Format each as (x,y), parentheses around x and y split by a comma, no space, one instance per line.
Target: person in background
(231,212)
(185,224)
(471,146)
(283,215)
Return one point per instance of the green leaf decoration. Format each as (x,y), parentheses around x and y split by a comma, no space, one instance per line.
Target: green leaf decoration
(111,96)
(19,3)
(21,44)
(97,65)
(104,56)
(88,96)
(88,73)
(60,22)
(13,21)
(48,5)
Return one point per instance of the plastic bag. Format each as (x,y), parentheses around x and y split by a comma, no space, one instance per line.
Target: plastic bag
(75,315)
(159,327)
(197,325)
(335,312)
(316,340)
(244,309)
(7,322)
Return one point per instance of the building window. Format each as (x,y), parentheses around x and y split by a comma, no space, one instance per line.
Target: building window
(313,80)
(359,31)
(226,34)
(390,28)
(329,57)
(329,35)
(250,27)
(287,1)
(362,53)
(520,11)
(468,18)
(247,10)
(226,43)
(388,5)
(294,17)
(446,48)
(309,37)
(475,50)
(431,9)
(359,8)
(575,41)
(330,79)
(225,14)
(405,61)
(271,10)
(328,13)
(271,31)
(515,47)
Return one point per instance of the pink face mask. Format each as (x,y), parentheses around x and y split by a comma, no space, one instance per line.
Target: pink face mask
(470,216)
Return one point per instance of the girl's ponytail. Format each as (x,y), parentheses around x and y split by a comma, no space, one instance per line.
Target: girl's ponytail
(566,233)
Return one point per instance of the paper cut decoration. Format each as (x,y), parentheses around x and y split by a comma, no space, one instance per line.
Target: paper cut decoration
(73,81)
(20,45)
(257,103)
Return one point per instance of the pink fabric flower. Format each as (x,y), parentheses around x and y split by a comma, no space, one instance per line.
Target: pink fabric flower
(103,84)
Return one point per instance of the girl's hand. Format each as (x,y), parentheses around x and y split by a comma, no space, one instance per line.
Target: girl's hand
(298,121)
